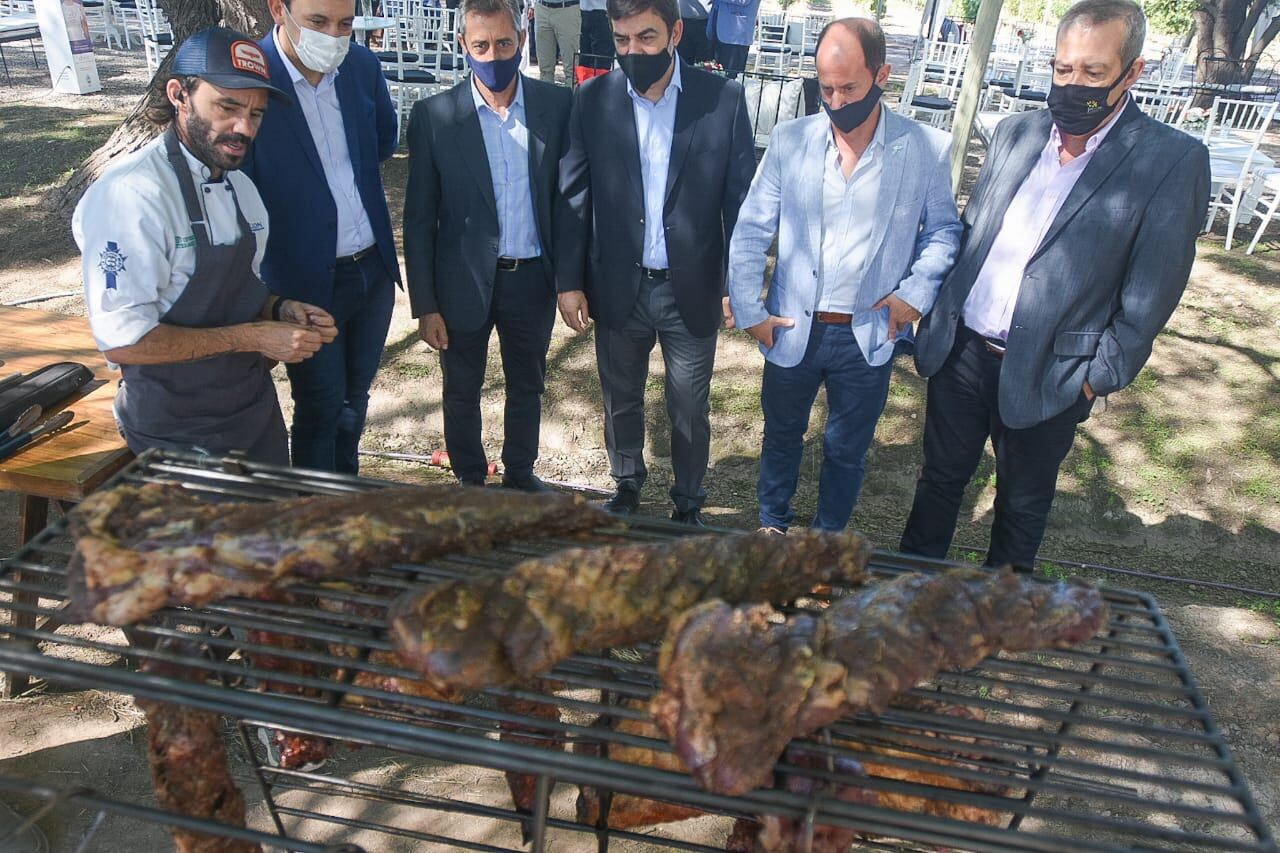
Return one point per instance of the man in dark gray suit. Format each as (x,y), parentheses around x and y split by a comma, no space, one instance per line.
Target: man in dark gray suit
(660,158)
(1080,235)
(479,213)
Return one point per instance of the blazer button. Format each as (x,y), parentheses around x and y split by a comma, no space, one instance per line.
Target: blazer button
(806,313)
(637,265)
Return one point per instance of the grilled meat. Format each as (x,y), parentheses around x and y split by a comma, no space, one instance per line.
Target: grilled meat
(151,546)
(737,685)
(189,769)
(477,633)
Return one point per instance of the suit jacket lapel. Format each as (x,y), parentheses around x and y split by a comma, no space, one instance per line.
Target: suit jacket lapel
(627,137)
(294,117)
(814,163)
(1110,154)
(537,135)
(470,140)
(686,123)
(345,84)
(897,152)
(1012,171)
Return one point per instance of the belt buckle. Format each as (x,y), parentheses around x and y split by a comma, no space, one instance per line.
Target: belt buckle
(508,264)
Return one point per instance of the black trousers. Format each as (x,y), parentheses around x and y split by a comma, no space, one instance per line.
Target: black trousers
(962,412)
(523,312)
(595,47)
(622,356)
(694,46)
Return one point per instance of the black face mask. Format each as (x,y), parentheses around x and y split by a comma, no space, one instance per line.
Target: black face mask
(854,114)
(1079,110)
(644,69)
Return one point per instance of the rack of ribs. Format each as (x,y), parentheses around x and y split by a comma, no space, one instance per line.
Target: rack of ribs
(141,548)
(738,684)
(495,630)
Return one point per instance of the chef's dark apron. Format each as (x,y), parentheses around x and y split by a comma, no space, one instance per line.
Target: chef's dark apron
(224,402)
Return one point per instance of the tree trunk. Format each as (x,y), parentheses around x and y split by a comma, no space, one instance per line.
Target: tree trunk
(187,17)
(1223,31)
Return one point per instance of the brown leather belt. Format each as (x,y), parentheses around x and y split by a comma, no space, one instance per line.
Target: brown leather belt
(996,349)
(832,318)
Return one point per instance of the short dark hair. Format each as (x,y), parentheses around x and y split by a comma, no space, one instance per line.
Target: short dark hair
(869,35)
(491,7)
(666,10)
(1102,11)
(159,110)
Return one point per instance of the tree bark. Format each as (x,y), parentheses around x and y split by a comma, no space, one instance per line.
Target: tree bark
(186,16)
(1223,30)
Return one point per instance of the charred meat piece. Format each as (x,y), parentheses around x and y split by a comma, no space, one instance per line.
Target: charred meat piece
(155,545)
(189,769)
(478,633)
(737,685)
(625,811)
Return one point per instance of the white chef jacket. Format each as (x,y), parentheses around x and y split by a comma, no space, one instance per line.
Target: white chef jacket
(136,242)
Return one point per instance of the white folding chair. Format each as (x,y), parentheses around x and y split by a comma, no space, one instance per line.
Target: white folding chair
(811,25)
(157,35)
(1233,132)
(424,56)
(98,15)
(933,83)
(1166,107)
(125,15)
(772,51)
(1266,209)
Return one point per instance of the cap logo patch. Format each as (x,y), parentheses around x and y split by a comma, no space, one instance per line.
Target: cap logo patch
(247,56)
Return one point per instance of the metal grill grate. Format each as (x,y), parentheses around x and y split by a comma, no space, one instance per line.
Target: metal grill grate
(1108,746)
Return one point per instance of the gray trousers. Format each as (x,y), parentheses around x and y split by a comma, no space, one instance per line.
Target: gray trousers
(622,355)
(556,28)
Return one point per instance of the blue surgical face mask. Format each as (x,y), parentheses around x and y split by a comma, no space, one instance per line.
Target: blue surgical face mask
(495,74)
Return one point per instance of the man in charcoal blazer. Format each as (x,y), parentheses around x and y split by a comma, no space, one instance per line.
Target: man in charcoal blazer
(1080,235)
(479,214)
(660,157)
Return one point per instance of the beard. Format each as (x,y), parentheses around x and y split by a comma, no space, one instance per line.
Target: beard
(204,144)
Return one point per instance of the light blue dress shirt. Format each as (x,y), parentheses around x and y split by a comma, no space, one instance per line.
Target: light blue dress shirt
(323,113)
(506,143)
(848,217)
(655,129)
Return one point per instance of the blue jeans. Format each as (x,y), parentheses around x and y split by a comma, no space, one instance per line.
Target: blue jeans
(331,389)
(856,394)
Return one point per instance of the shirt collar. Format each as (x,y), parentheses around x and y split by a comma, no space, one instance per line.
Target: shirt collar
(197,166)
(517,103)
(295,73)
(1091,144)
(674,86)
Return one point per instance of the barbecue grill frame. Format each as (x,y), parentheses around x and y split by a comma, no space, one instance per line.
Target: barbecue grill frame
(1138,640)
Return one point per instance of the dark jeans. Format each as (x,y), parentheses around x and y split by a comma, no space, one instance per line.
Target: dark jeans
(856,393)
(622,355)
(694,46)
(962,411)
(523,311)
(732,58)
(331,389)
(595,48)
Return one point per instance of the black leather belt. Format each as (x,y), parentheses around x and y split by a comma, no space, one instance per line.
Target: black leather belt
(995,346)
(351,259)
(656,275)
(559,5)
(510,264)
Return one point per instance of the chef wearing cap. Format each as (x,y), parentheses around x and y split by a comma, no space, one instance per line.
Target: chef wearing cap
(171,238)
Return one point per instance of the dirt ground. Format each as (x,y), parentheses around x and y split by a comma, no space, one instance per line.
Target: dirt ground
(1178,475)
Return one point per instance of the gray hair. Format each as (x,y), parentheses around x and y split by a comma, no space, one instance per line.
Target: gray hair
(1100,12)
(514,8)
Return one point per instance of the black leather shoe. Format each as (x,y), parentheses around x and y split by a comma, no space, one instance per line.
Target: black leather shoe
(525,483)
(625,500)
(692,517)
(479,484)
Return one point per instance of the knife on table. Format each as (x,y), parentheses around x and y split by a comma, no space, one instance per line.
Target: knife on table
(25,421)
(10,446)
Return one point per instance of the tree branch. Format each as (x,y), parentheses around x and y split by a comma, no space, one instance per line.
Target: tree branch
(1268,35)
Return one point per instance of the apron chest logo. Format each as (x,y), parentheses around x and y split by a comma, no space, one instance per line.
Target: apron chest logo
(111,262)
(186,242)
(255,227)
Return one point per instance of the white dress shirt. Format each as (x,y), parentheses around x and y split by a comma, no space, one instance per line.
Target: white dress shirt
(655,130)
(848,214)
(988,310)
(506,142)
(137,247)
(323,113)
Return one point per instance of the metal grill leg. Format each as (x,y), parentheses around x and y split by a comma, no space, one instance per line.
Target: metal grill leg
(541,802)
(263,784)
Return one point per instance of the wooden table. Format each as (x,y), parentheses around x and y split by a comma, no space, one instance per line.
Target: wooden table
(70,464)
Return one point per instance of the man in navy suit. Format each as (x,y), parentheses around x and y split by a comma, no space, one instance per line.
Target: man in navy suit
(316,163)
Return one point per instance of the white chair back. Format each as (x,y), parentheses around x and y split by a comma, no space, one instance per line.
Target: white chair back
(772,51)
(1238,121)
(811,25)
(157,34)
(1165,107)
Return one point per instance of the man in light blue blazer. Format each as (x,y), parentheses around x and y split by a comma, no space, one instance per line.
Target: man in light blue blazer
(860,201)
